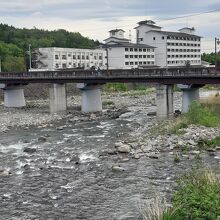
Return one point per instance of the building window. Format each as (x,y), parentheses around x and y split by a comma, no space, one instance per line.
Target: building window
(69,54)
(135,56)
(64,57)
(145,62)
(144,56)
(152,56)
(144,50)
(100,57)
(74,57)
(57,65)
(136,63)
(131,49)
(83,57)
(56,56)
(126,63)
(126,56)
(78,57)
(140,56)
(152,62)
(140,50)
(131,63)
(162,37)
(131,56)
(154,38)
(141,39)
(63,65)
(135,49)
(140,63)
(87,57)
(126,49)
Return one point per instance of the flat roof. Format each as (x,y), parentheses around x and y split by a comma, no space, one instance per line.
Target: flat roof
(178,34)
(122,44)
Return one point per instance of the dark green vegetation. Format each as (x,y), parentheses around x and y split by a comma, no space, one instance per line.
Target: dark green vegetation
(211,58)
(205,144)
(206,114)
(14,44)
(197,197)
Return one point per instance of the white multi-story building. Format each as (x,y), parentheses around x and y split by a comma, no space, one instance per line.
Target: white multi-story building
(63,58)
(171,48)
(123,54)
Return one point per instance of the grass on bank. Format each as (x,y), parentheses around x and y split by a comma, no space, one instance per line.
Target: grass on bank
(197,197)
(136,90)
(206,114)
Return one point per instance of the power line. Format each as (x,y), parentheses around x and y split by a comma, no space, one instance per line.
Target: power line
(160,20)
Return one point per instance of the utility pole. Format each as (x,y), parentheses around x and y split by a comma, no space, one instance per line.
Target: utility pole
(217,42)
(29,51)
(106,47)
(0,64)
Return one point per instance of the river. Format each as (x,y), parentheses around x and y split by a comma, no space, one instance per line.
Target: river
(70,177)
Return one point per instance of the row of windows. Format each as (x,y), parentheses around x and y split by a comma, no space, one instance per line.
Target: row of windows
(183,38)
(183,44)
(140,49)
(139,56)
(184,50)
(183,61)
(75,65)
(177,56)
(139,63)
(79,57)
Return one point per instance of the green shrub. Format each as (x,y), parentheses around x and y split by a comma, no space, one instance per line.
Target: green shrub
(116,87)
(199,114)
(197,197)
(206,144)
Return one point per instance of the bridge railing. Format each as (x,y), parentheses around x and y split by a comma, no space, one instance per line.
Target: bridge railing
(116,73)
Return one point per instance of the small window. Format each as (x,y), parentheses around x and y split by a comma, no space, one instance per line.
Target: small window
(126,56)
(162,37)
(56,56)
(126,63)
(144,50)
(74,57)
(126,49)
(63,65)
(131,63)
(64,57)
(154,38)
(131,56)
(135,49)
(131,49)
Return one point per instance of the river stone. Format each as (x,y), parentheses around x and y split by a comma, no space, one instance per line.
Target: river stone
(153,156)
(118,168)
(192,142)
(42,139)
(136,156)
(4,172)
(195,152)
(123,148)
(29,150)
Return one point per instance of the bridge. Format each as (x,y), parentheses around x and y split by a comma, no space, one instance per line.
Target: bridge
(90,81)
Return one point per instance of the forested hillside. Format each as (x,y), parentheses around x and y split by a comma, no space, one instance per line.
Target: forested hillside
(14,44)
(211,58)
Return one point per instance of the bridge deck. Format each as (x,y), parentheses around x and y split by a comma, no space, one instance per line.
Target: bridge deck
(155,75)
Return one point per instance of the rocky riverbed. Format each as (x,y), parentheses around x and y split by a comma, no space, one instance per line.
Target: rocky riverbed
(94,166)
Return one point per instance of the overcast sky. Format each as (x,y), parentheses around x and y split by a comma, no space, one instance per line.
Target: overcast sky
(95,18)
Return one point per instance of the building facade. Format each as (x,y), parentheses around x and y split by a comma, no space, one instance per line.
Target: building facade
(64,58)
(123,54)
(171,48)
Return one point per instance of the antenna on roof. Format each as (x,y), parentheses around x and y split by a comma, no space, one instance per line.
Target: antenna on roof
(130,35)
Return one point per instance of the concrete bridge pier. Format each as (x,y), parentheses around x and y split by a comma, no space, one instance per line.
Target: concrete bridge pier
(190,94)
(58,100)
(91,97)
(164,100)
(13,95)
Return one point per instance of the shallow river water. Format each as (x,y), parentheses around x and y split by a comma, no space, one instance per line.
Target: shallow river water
(66,178)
